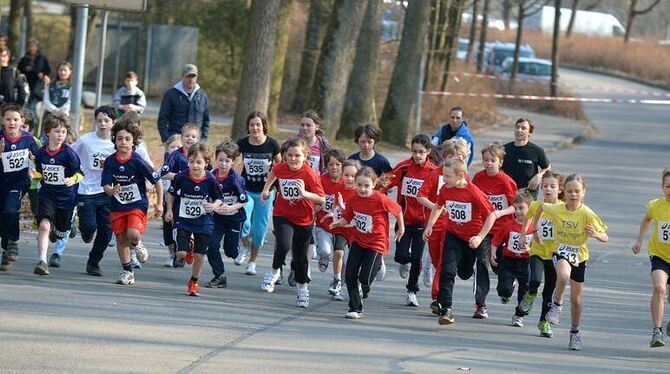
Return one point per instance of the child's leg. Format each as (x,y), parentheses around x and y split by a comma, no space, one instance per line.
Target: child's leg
(231,239)
(183,240)
(482,280)
(505,278)
(123,249)
(213,252)
(522,274)
(576,291)
(536,267)
(372,262)
(200,243)
(451,256)
(435,244)
(43,239)
(300,243)
(416,255)
(261,223)
(402,248)
(353,268)
(34,202)
(548,289)
(338,255)
(103,229)
(659,279)
(563,270)
(324,242)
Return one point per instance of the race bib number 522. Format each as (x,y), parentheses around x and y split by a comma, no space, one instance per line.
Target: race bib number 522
(129,193)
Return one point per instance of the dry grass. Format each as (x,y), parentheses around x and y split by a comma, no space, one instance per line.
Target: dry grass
(573,110)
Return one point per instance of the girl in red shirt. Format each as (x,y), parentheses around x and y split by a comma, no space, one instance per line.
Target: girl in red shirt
(293,214)
(471,217)
(369,237)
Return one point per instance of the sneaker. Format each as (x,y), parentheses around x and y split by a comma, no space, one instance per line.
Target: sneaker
(338,297)
(141,251)
(73,231)
(353,315)
(126,278)
(446,318)
(323,263)
(241,257)
(55,260)
(291,278)
(410,299)
(269,282)
(545,329)
(428,276)
(303,297)
(517,321)
(504,300)
(6,265)
(93,270)
(217,282)
(112,242)
(335,286)
(178,262)
(11,254)
(575,341)
(554,313)
(169,261)
(436,308)
(41,268)
(526,305)
(87,238)
(657,339)
(134,262)
(193,289)
(382,272)
(403,270)
(251,269)
(480,312)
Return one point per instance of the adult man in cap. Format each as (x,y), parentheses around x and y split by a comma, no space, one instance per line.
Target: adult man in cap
(184,103)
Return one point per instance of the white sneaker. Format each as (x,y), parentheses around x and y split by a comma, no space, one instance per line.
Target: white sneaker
(353,315)
(169,261)
(411,299)
(335,286)
(428,275)
(251,269)
(554,313)
(338,297)
(303,297)
(403,270)
(133,261)
(269,282)
(517,321)
(112,242)
(126,278)
(141,250)
(323,263)
(382,272)
(575,341)
(241,257)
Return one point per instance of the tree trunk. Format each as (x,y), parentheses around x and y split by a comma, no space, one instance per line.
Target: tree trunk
(359,104)
(629,21)
(443,28)
(336,61)
(573,15)
(396,116)
(473,30)
(434,30)
(453,22)
(28,13)
(482,36)
(254,89)
(517,43)
(319,12)
(507,12)
(554,48)
(14,25)
(281,45)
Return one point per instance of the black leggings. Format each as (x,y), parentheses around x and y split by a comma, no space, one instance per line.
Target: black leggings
(292,237)
(362,267)
(537,267)
(509,270)
(410,250)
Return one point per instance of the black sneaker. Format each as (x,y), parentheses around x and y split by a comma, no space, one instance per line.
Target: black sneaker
(217,282)
(11,254)
(55,261)
(41,268)
(87,238)
(178,262)
(93,270)
(436,308)
(366,291)
(73,232)
(446,318)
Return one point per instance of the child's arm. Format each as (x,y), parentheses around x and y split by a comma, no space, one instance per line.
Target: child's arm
(600,236)
(168,212)
(492,257)
(71,181)
(505,212)
(425,202)
(644,225)
(476,240)
(311,196)
(266,188)
(434,214)
(112,190)
(400,231)
(160,192)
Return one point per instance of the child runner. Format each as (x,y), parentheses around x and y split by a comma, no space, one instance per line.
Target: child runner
(471,217)
(57,93)
(60,168)
(368,213)
(172,144)
(194,194)
(409,176)
(513,264)
(27,126)
(332,184)
(312,133)
(15,147)
(293,215)
(540,257)
(123,176)
(577,223)
(259,153)
(230,216)
(130,97)
(658,211)
(500,190)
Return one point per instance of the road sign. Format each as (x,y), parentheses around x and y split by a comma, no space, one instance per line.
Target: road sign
(124,5)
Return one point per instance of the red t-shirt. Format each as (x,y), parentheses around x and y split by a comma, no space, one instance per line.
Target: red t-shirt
(331,189)
(370,219)
(347,195)
(409,178)
(509,235)
(500,189)
(467,209)
(289,203)
(430,189)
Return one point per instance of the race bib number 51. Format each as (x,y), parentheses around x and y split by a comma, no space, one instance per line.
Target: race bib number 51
(363,222)
(570,253)
(546,230)
(664,232)
(15,160)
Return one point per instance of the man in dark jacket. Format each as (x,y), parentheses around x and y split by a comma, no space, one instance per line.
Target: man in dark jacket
(35,67)
(12,83)
(184,103)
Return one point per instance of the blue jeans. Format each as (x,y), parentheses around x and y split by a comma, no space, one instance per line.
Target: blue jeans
(258,218)
(229,231)
(93,213)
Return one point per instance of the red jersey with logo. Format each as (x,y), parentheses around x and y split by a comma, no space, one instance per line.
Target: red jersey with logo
(500,189)
(466,209)
(289,203)
(409,177)
(331,189)
(508,235)
(370,219)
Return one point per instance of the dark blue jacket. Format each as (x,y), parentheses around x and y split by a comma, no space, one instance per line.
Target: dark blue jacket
(177,110)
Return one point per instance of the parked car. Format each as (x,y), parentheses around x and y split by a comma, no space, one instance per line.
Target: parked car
(462,51)
(529,68)
(499,51)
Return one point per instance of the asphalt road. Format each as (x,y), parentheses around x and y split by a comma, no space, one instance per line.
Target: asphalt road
(70,322)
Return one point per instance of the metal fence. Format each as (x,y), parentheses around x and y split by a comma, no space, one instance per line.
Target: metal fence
(168,49)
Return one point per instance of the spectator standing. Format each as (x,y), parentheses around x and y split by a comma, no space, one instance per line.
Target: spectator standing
(524,161)
(12,82)
(35,67)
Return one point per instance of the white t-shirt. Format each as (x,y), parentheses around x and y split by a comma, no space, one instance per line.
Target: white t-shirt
(141,150)
(92,151)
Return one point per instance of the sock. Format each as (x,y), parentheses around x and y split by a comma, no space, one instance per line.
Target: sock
(302,286)
(338,276)
(194,279)
(574,329)
(276,272)
(134,244)
(557,302)
(43,257)
(127,267)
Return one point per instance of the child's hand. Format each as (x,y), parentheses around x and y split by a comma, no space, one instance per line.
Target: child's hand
(151,188)
(265,195)
(330,215)
(384,181)
(158,210)
(399,233)
(590,230)
(475,241)
(427,233)
(301,187)
(340,201)
(31,173)
(637,246)
(493,258)
(208,207)
(168,215)
(69,182)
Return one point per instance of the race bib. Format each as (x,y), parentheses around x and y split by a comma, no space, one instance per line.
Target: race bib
(96,161)
(363,222)
(459,212)
(440,183)
(664,232)
(66,94)
(53,174)
(570,253)
(289,189)
(129,193)
(410,186)
(546,229)
(256,166)
(314,160)
(230,200)
(15,160)
(191,208)
(330,201)
(499,202)
(514,240)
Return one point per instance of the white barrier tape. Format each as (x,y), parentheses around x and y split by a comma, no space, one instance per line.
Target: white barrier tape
(550,98)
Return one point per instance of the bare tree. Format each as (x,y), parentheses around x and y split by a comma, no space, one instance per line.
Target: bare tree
(634,12)
(554,48)
(522,13)
(254,89)
(473,30)
(453,30)
(506,12)
(396,116)
(28,13)
(435,33)
(14,30)
(281,44)
(573,14)
(482,36)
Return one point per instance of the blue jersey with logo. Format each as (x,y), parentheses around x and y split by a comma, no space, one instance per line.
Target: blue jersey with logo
(131,174)
(190,195)
(15,160)
(55,166)
(233,191)
(176,162)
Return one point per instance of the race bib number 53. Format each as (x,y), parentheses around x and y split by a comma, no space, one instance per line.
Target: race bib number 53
(513,242)
(664,232)
(363,222)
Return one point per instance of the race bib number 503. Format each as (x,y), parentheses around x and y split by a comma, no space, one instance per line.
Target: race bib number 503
(289,189)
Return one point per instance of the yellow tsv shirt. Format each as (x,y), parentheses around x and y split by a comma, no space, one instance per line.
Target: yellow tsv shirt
(545,231)
(659,244)
(569,230)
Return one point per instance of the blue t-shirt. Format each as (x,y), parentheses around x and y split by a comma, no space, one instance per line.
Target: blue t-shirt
(378,163)
(131,175)
(55,166)
(190,195)
(15,160)
(232,189)
(176,162)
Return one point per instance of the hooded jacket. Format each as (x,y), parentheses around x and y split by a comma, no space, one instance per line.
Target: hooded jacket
(179,108)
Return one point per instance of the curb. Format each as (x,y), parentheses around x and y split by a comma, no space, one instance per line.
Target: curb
(617,74)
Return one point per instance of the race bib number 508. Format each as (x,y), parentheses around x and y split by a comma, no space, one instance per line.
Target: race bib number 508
(459,212)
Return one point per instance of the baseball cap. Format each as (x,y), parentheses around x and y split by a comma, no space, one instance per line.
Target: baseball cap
(189,69)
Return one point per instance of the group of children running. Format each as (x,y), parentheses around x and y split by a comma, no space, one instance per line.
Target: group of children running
(322,204)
